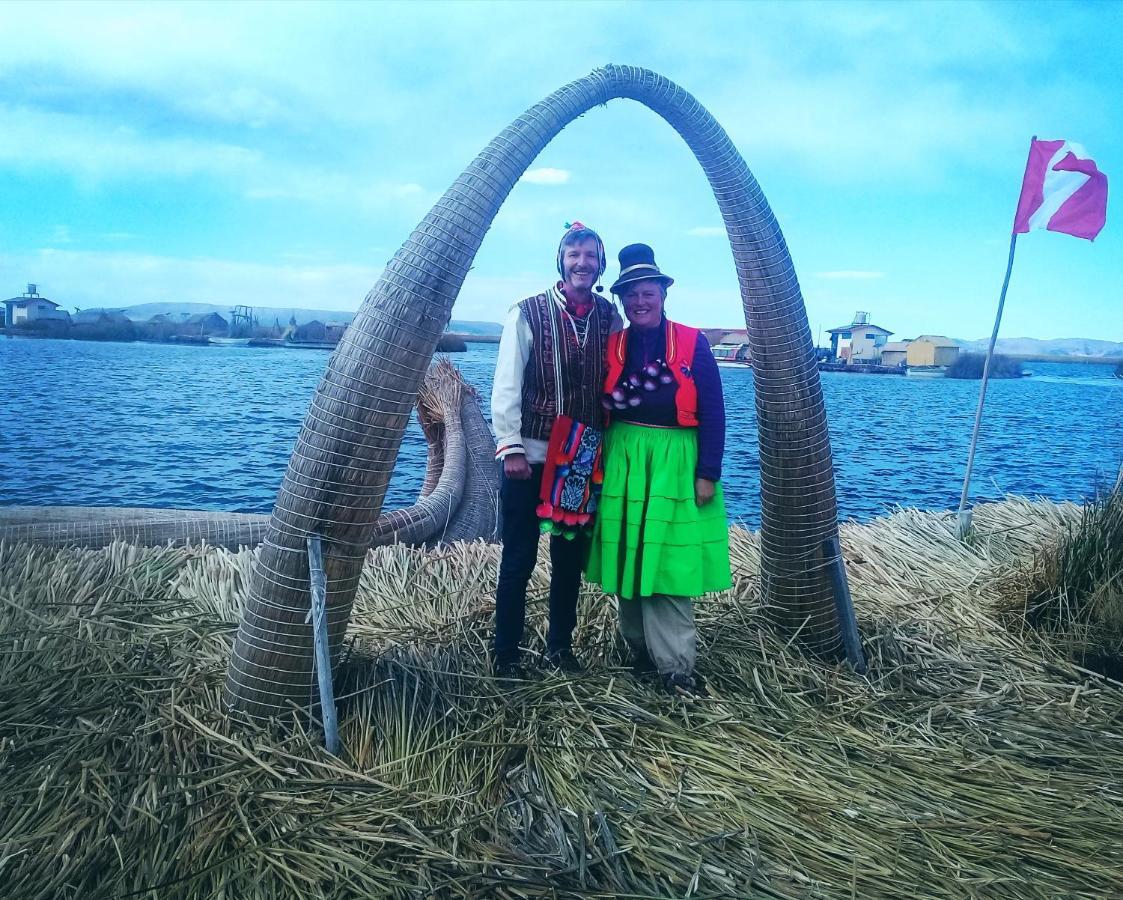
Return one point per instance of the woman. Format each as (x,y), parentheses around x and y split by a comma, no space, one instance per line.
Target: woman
(661,537)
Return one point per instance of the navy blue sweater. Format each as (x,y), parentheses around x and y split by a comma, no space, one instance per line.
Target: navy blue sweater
(658,406)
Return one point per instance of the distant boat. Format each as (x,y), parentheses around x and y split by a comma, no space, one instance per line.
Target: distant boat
(289,344)
(927,371)
(229,341)
(860,368)
(732,356)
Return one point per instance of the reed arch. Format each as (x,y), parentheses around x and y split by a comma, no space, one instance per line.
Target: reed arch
(344,456)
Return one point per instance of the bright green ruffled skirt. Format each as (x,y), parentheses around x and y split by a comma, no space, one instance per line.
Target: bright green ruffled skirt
(650,536)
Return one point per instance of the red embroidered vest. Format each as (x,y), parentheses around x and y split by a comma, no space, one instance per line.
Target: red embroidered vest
(681,341)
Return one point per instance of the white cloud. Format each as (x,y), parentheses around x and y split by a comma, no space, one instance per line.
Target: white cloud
(298,64)
(233,64)
(247,105)
(90,149)
(546,175)
(859,92)
(850,275)
(343,189)
(92,153)
(707,231)
(319,186)
(846,91)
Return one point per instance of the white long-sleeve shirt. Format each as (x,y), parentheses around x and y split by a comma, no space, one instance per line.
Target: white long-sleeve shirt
(507,389)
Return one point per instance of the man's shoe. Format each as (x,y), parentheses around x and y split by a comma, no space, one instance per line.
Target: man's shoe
(565,661)
(510,671)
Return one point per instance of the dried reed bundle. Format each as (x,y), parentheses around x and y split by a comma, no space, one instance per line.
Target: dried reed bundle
(1073,593)
(972,761)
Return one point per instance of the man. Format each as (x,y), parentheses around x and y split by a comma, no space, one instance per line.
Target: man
(551,363)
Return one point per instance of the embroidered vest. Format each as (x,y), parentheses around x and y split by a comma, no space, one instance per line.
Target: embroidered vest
(681,341)
(564,372)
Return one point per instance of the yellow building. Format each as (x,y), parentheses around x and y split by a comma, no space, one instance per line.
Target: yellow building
(932,350)
(894,353)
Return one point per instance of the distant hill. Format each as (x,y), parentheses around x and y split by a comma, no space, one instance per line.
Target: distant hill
(1038,347)
(142,312)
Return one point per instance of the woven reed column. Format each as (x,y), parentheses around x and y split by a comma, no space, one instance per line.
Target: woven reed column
(345,454)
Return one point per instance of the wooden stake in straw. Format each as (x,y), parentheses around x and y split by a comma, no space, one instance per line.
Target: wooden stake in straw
(319,583)
(844,606)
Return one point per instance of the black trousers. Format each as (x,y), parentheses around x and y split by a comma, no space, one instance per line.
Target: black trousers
(518,500)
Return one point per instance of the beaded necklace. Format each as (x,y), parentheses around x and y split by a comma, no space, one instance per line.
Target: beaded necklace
(630,390)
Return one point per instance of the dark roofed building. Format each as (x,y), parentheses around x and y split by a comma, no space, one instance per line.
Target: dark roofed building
(311,331)
(99,316)
(208,324)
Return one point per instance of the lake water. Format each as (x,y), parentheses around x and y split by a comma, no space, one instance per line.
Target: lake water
(160,425)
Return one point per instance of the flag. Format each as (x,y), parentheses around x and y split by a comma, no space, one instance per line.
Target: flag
(1062,191)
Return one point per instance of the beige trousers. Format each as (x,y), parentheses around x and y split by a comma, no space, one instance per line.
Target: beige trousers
(662,628)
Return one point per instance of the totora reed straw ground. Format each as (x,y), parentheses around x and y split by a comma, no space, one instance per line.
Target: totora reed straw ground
(976,759)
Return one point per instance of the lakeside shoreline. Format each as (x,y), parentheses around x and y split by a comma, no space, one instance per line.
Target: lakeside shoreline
(206,340)
(495,338)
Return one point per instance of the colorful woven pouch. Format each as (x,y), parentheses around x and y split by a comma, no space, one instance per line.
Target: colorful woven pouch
(571,479)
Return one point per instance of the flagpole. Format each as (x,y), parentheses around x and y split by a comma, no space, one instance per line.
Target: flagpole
(964,516)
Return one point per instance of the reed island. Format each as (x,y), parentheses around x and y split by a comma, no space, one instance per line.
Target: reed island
(162,727)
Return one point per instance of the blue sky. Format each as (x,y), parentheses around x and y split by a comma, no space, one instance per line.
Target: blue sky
(278,154)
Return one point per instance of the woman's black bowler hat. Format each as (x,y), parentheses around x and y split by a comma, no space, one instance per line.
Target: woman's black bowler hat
(637,263)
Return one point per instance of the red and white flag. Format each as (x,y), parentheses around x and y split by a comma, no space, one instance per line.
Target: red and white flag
(1062,191)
